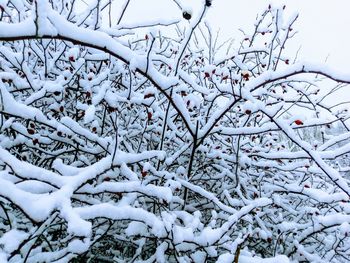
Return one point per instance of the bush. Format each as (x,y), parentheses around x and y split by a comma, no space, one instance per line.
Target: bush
(119,145)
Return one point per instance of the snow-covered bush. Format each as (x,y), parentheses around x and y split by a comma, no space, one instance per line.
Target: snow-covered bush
(156,143)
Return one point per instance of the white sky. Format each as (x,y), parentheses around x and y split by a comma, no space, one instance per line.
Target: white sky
(323,25)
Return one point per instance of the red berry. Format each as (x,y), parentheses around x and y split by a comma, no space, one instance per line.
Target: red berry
(246,76)
(111,109)
(298,122)
(149,95)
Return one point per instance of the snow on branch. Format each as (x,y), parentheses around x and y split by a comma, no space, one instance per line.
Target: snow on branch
(152,141)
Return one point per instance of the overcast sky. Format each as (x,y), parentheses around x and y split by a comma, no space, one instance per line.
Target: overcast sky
(323,26)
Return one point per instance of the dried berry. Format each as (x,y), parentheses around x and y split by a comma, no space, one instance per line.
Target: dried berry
(186,15)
